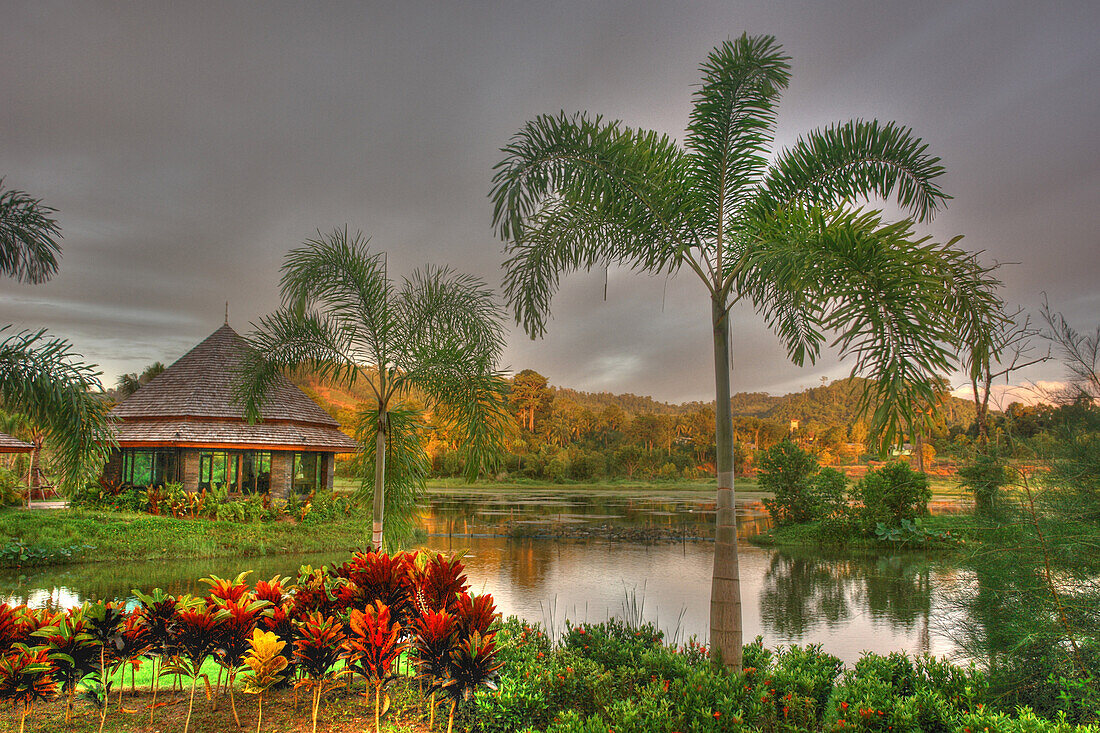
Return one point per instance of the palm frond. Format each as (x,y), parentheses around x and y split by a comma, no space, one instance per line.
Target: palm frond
(591,178)
(900,307)
(336,273)
(44,379)
(732,123)
(474,408)
(28,237)
(444,318)
(854,160)
(287,340)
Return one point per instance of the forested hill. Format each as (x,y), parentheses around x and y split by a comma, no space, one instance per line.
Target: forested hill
(831,404)
(834,403)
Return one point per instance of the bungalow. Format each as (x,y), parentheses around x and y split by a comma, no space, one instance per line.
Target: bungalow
(185,426)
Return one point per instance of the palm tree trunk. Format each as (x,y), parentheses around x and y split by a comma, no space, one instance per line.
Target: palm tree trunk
(379,478)
(725,591)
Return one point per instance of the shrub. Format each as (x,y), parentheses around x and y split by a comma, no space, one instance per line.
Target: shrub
(894,692)
(890,494)
(985,476)
(803,491)
(10,487)
(787,471)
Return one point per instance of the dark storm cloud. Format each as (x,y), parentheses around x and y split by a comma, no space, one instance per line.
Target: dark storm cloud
(188,146)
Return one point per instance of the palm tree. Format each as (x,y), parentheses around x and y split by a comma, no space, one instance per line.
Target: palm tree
(576,192)
(40,376)
(433,341)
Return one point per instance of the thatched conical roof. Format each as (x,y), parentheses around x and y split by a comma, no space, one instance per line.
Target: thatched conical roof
(192,404)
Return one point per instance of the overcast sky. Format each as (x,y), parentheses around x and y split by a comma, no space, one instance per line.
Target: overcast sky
(188,146)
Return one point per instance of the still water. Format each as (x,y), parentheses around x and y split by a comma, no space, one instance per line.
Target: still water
(845,602)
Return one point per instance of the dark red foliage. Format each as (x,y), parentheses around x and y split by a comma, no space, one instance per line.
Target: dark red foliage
(271,591)
(438,584)
(133,638)
(315,593)
(104,621)
(196,633)
(318,644)
(222,589)
(433,638)
(158,613)
(240,618)
(71,649)
(11,628)
(473,664)
(372,646)
(26,675)
(474,614)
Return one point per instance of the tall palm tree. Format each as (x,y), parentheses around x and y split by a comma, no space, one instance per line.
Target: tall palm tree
(40,376)
(433,341)
(579,191)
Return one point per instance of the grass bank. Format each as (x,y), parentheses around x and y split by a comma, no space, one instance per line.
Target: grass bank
(117,536)
(811,534)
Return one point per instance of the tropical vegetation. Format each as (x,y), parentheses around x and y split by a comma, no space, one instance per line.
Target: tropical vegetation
(783,232)
(407,624)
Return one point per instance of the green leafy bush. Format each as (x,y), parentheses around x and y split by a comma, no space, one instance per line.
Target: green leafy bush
(897,693)
(985,476)
(11,487)
(890,494)
(803,492)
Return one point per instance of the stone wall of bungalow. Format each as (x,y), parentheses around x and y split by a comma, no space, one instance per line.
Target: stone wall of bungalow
(277,472)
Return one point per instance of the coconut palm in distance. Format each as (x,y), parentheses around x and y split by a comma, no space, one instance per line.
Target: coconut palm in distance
(40,376)
(432,342)
(576,192)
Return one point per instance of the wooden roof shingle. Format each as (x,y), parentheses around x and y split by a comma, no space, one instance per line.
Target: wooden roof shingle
(9,444)
(192,403)
(201,384)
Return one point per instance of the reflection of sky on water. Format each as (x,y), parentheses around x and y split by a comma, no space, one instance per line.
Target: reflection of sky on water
(848,604)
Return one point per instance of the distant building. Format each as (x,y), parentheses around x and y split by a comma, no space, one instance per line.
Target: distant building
(794,426)
(185,427)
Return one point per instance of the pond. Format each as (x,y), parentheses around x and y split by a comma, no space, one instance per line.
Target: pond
(849,603)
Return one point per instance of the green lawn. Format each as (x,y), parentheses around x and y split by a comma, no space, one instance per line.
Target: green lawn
(120,536)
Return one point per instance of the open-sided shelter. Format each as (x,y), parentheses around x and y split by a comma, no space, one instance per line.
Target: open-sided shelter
(185,426)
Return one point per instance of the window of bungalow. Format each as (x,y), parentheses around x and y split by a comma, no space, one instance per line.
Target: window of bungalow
(255,472)
(217,469)
(307,472)
(147,467)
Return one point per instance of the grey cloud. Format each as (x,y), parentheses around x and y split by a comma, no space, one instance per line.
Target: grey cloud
(188,146)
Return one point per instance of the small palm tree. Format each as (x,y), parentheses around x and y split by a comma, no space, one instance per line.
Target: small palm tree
(432,342)
(780,231)
(40,376)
